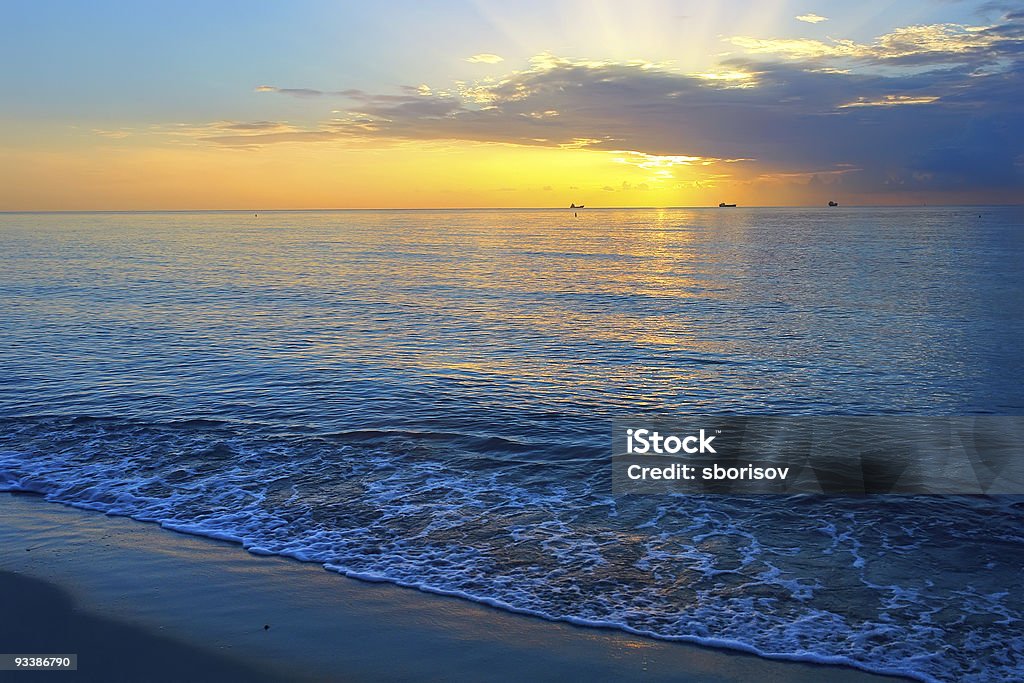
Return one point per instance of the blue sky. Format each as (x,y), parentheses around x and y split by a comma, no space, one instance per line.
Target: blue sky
(191,59)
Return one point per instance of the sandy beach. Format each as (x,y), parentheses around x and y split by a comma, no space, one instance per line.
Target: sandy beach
(137,602)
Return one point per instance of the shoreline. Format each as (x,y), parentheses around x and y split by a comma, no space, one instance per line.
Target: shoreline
(167,596)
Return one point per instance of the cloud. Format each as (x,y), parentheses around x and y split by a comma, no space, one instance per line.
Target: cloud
(626,185)
(811,18)
(294,92)
(269,138)
(929,44)
(485,58)
(785,110)
(253,125)
(306,92)
(118,134)
(246,134)
(890,101)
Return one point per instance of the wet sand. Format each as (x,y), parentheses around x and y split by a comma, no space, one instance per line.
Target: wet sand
(137,602)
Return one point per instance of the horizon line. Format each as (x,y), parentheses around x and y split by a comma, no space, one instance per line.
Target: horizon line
(508,208)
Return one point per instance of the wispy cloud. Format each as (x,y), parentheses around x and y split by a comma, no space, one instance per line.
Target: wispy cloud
(305,92)
(923,44)
(485,58)
(241,134)
(253,125)
(811,18)
(890,101)
(118,134)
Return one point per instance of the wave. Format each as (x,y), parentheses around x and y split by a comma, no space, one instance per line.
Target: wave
(914,587)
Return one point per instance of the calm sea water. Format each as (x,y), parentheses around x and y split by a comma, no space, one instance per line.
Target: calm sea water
(426,397)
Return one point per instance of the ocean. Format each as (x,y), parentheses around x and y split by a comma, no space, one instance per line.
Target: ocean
(426,398)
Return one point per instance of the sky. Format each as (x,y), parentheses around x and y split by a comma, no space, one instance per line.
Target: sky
(274,105)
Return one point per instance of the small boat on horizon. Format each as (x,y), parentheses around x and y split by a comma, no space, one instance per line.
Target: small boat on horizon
(833,203)
(723,205)
(573,206)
